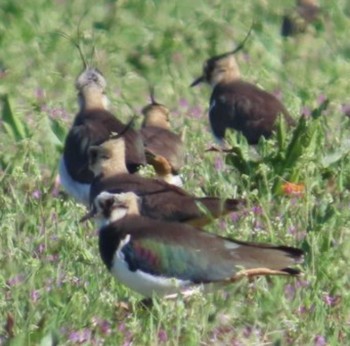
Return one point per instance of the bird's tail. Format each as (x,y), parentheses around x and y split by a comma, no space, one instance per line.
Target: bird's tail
(260,259)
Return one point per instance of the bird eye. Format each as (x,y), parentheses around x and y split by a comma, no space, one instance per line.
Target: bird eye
(93,155)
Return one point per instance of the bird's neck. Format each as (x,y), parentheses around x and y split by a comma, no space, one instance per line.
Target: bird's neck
(113,166)
(91,99)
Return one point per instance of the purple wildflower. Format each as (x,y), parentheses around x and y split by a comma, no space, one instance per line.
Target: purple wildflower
(104,325)
(40,249)
(235,216)
(278,94)
(257,225)
(305,111)
(80,336)
(15,280)
(345,108)
(247,331)
(219,164)
(303,309)
(34,296)
(321,99)
(289,291)
(53,258)
(302,283)
(196,112)
(320,340)
(330,300)
(58,113)
(222,224)
(183,103)
(299,235)
(257,210)
(127,334)
(39,94)
(162,336)
(36,194)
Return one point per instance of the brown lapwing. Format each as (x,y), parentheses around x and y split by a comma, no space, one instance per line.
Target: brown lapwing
(237,104)
(164,148)
(161,258)
(93,125)
(296,20)
(159,200)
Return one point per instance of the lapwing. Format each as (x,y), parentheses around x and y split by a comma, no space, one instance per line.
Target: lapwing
(159,200)
(237,104)
(296,20)
(93,124)
(164,148)
(157,258)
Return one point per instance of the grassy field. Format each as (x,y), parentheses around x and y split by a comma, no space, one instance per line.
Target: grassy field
(53,284)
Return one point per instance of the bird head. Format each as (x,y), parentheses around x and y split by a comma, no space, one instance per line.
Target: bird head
(221,68)
(91,86)
(110,207)
(108,158)
(155,114)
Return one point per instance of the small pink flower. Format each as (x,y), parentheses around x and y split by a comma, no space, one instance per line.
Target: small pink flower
(320,340)
(36,194)
(345,108)
(15,280)
(305,111)
(196,112)
(321,99)
(219,164)
(34,296)
(330,300)
(162,336)
(183,103)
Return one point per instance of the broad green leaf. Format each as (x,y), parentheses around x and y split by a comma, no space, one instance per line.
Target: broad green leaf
(12,125)
(58,132)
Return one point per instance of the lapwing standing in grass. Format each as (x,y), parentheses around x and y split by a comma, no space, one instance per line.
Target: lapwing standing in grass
(161,258)
(237,104)
(159,200)
(164,148)
(296,20)
(93,125)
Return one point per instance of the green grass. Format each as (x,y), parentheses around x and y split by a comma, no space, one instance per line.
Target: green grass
(53,283)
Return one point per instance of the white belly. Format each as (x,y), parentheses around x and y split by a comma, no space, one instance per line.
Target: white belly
(80,192)
(173,179)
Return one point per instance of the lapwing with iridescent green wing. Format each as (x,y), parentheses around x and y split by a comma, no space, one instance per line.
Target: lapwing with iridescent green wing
(93,124)
(165,258)
(159,200)
(237,104)
(164,148)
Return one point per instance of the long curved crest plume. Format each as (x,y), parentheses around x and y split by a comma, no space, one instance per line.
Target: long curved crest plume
(77,43)
(151,89)
(125,129)
(239,47)
(127,103)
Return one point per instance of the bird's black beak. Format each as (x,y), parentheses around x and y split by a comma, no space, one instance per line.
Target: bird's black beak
(197,81)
